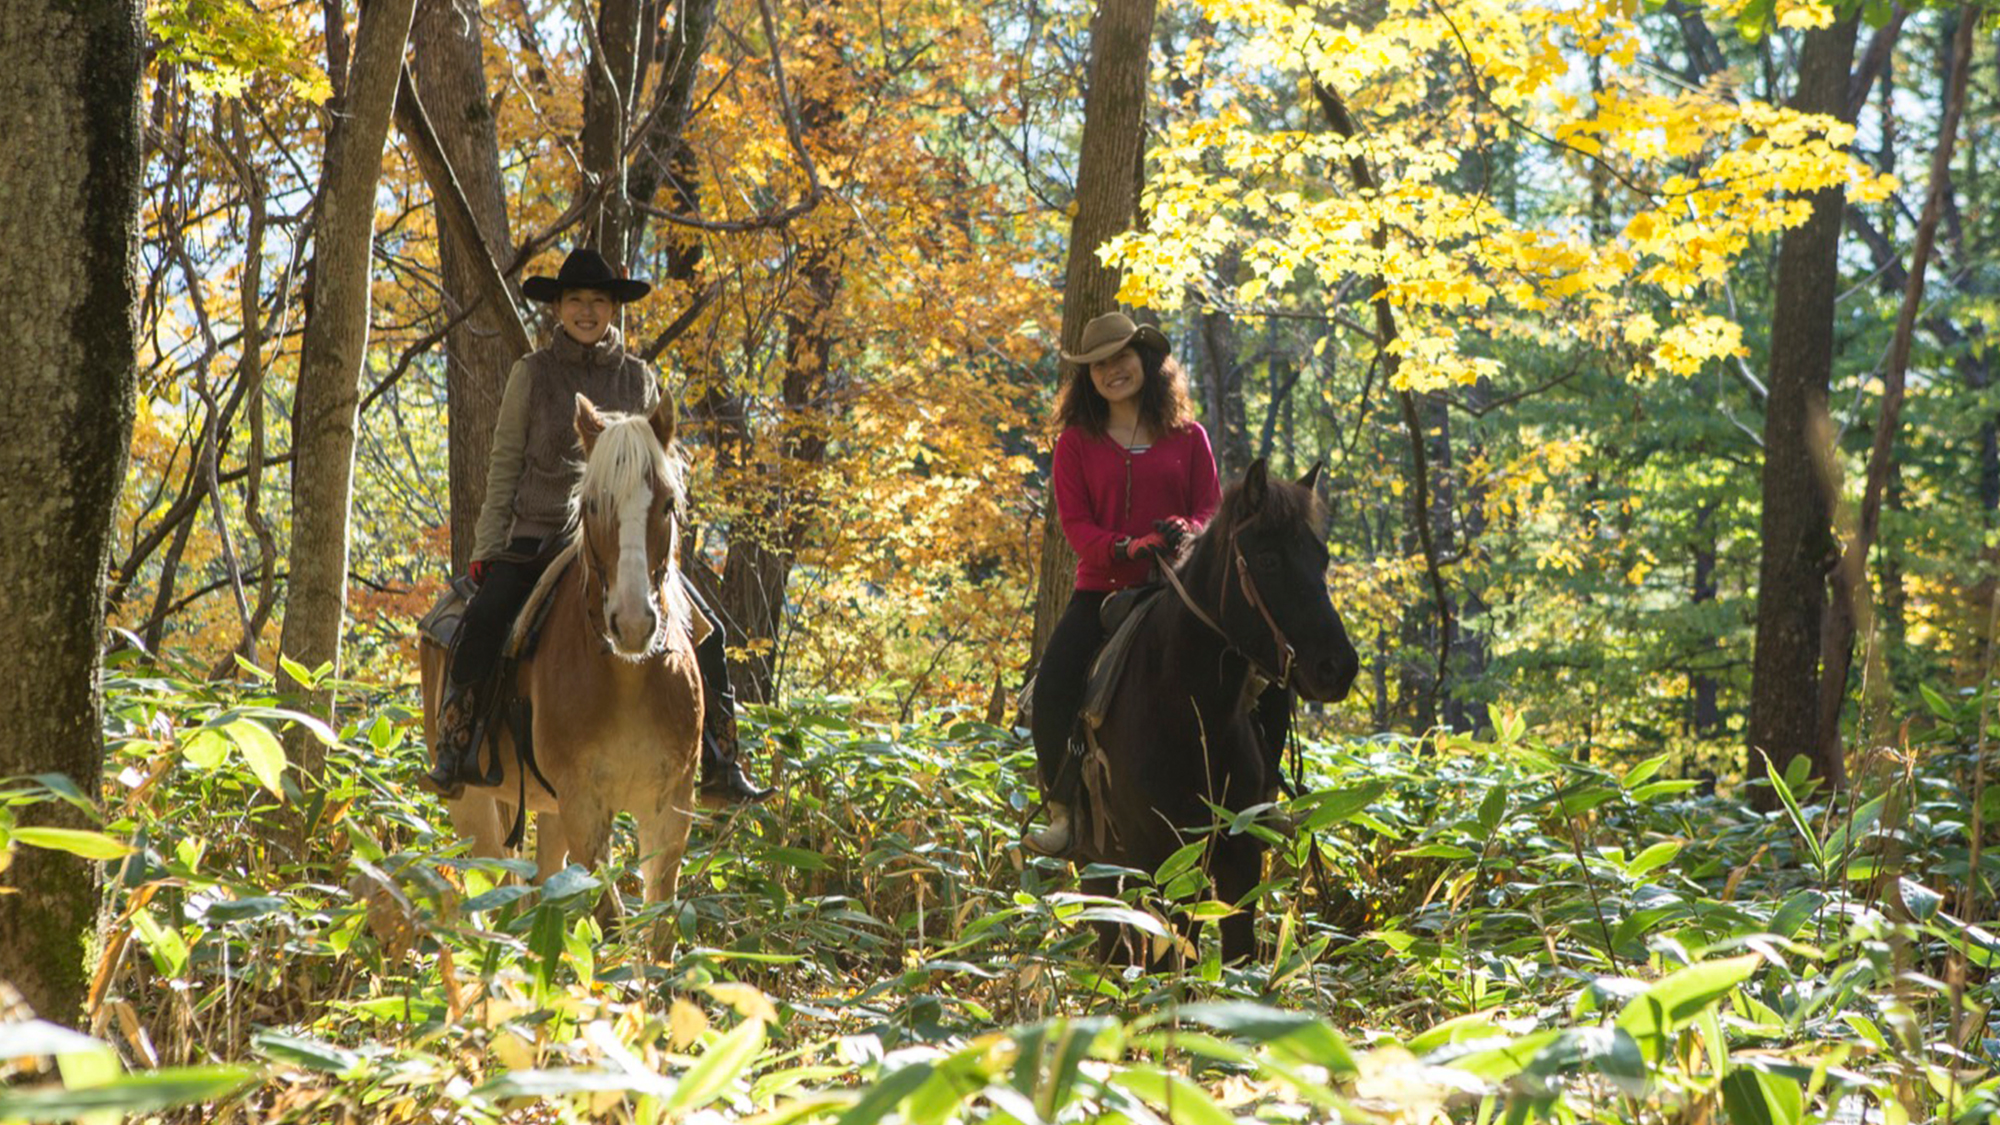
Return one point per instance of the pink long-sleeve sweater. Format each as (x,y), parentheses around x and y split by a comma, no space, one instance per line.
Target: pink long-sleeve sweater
(1105,492)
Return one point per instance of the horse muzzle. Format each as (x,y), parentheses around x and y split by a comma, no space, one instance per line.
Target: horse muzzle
(1327,675)
(631,634)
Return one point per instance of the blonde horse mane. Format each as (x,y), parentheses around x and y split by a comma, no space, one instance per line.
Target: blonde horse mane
(627,458)
(625,462)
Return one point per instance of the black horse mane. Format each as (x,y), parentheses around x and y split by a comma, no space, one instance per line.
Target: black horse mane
(1284,503)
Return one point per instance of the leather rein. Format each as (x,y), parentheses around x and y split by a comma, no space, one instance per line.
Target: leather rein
(1286,654)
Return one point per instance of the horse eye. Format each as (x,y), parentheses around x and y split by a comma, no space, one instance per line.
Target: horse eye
(1265,560)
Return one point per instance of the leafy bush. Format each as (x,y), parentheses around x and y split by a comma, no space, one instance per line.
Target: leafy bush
(1469,931)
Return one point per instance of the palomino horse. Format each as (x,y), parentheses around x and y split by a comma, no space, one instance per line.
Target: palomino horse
(1249,609)
(612,681)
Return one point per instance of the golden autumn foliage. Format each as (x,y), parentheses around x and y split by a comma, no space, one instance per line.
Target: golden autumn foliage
(1686,181)
(921,264)
(864,385)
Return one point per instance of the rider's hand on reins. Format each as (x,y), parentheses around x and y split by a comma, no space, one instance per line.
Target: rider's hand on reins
(1153,544)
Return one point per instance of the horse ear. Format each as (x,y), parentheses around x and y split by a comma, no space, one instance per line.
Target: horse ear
(1312,476)
(1256,482)
(663,419)
(589,423)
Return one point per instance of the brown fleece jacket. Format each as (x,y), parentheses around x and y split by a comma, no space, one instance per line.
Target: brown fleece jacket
(537,458)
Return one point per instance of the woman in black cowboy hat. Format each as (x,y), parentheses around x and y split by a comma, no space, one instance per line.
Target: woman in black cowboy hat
(536,462)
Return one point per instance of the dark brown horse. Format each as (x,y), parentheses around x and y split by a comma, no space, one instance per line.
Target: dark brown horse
(1249,609)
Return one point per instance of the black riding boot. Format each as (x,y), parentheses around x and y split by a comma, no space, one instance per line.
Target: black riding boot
(455,763)
(722,778)
(469,675)
(1059,685)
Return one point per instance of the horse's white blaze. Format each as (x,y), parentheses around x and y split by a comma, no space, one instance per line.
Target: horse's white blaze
(630,605)
(619,477)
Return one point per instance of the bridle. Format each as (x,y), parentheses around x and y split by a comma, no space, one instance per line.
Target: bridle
(593,607)
(1287,656)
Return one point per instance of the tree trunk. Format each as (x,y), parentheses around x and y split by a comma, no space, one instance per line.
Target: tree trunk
(1222,387)
(760,563)
(1420,420)
(1850,612)
(607,120)
(1704,55)
(1109,174)
(332,356)
(1470,649)
(1798,484)
(663,158)
(448,60)
(69,237)
(761,556)
(1705,710)
(1431,624)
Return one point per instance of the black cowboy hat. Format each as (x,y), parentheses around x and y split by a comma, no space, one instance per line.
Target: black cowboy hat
(585,268)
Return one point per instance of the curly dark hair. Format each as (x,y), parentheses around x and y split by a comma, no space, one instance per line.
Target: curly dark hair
(1164,404)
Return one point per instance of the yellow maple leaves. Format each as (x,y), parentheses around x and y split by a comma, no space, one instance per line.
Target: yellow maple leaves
(1623,193)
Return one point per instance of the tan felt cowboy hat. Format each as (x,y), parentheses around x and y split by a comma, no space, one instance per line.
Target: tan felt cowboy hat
(585,268)
(1107,335)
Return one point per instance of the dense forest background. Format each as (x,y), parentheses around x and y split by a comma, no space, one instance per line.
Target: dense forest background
(1646,347)
(858,312)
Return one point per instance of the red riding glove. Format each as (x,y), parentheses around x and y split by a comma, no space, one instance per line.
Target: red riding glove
(1175,531)
(1144,545)
(477,571)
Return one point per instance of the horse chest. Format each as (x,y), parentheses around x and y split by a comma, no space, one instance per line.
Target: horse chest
(640,724)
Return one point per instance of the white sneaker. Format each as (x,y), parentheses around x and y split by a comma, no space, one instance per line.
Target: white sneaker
(1053,839)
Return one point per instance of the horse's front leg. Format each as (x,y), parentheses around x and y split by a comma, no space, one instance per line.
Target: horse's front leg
(1234,865)
(585,828)
(663,837)
(476,817)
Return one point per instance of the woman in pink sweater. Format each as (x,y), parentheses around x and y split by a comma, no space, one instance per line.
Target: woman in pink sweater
(1134,478)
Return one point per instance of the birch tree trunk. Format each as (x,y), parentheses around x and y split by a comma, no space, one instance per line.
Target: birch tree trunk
(69,206)
(333,354)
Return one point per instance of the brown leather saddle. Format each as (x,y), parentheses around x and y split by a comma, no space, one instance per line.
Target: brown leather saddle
(444,624)
(1121,615)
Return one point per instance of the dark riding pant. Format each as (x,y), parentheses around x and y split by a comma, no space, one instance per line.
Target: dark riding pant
(1059,686)
(489,617)
(718,696)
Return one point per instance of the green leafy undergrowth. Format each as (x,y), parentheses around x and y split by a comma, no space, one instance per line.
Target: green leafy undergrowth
(1477,931)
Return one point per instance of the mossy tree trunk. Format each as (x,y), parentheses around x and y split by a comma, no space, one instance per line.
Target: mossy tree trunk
(69,205)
